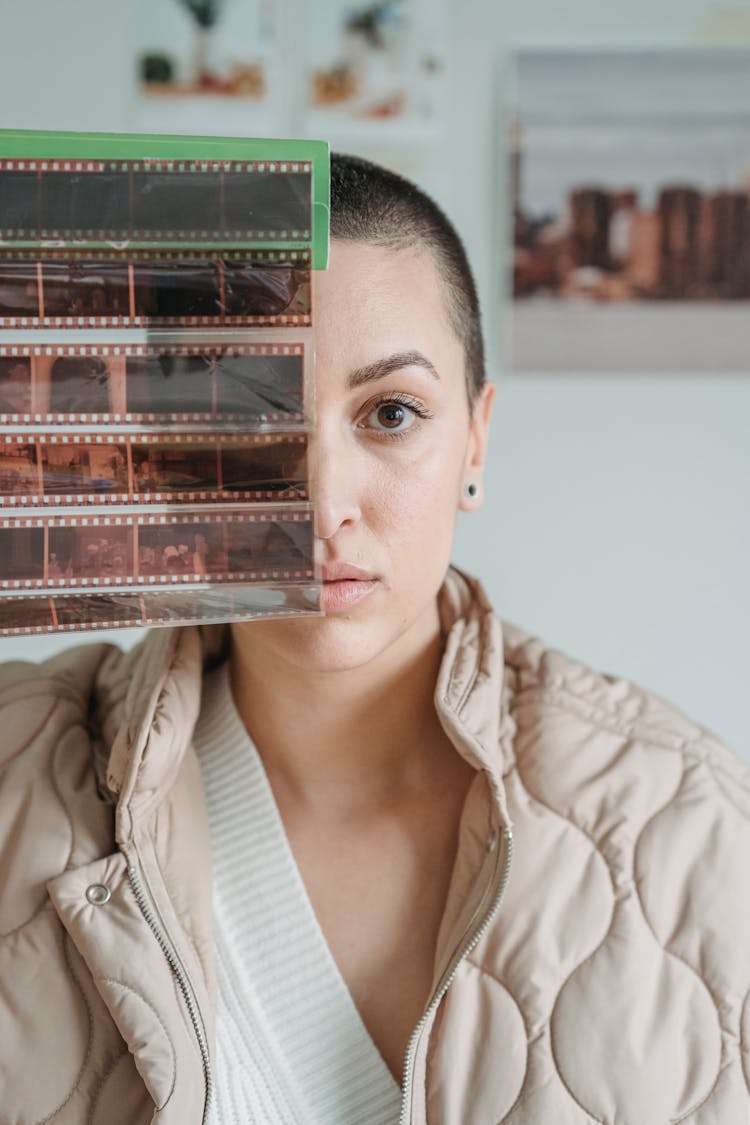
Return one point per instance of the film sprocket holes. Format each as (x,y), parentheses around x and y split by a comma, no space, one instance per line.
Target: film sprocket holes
(245,385)
(74,289)
(200,545)
(114,609)
(57,469)
(158,475)
(155,201)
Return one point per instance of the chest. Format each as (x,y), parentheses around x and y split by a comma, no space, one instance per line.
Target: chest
(378,889)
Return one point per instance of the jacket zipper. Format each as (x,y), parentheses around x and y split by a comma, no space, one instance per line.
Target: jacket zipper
(180,975)
(474,940)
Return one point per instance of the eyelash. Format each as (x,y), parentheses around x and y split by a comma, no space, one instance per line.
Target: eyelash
(401,400)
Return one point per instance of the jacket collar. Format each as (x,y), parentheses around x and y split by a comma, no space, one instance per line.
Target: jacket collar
(471,696)
(148,699)
(148,702)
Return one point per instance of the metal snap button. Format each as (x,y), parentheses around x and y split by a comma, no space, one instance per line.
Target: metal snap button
(98,894)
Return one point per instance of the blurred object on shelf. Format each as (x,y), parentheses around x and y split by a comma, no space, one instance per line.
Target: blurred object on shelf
(156,68)
(332,85)
(380,63)
(222,49)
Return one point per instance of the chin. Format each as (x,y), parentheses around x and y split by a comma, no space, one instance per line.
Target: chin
(345,641)
(334,643)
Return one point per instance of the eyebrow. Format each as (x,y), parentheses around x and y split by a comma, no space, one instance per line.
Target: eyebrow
(386,366)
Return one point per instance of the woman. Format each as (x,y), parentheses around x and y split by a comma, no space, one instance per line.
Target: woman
(263,873)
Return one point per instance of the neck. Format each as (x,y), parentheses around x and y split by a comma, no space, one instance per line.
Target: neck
(344,738)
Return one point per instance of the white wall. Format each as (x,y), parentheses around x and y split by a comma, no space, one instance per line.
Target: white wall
(616,522)
(618,516)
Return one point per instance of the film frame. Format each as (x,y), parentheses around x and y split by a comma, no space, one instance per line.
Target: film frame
(62,469)
(147,549)
(210,201)
(26,615)
(78,289)
(254,384)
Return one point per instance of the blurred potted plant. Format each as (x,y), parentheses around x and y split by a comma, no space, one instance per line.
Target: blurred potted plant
(205,14)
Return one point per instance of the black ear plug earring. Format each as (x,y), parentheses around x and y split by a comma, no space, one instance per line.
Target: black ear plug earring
(471,489)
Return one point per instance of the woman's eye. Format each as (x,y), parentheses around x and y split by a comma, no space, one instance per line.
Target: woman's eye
(393,416)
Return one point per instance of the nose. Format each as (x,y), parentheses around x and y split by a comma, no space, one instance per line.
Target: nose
(334,484)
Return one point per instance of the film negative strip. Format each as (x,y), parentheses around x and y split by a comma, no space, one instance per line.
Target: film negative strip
(160,288)
(64,613)
(161,478)
(63,469)
(251,544)
(242,385)
(155,201)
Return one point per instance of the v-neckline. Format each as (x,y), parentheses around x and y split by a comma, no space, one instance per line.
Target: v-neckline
(279,891)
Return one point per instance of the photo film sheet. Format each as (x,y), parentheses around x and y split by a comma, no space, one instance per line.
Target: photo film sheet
(200,545)
(155,202)
(102,191)
(129,609)
(79,289)
(263,383)
(54,470)
(156,379)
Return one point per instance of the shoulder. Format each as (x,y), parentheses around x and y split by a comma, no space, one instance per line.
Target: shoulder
(52,814)
(52,692)
(618,774)
(48,716)
(84,685)
(600,714)
(57,716)
(618,780)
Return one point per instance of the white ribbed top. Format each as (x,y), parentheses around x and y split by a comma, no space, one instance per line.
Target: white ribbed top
(291,1048)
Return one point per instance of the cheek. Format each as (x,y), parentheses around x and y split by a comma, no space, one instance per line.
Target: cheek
(413,505)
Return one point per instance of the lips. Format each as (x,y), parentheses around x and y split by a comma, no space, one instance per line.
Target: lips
(344,585)
(341,571)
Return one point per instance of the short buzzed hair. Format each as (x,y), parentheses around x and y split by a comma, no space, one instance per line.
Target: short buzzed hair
(373,205)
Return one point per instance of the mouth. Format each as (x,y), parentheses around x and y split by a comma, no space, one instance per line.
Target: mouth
(344,585)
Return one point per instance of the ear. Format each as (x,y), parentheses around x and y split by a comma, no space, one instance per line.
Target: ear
(476,448)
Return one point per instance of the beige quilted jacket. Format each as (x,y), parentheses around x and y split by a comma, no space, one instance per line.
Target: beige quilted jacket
(601,975)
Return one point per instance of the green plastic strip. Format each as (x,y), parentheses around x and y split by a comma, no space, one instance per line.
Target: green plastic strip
(132,147)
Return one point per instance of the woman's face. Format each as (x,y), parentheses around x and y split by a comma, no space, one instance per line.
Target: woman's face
(394,446)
